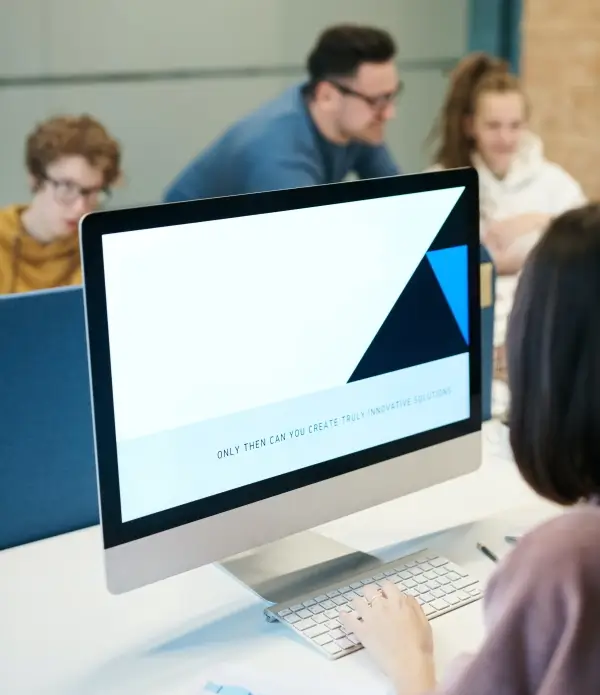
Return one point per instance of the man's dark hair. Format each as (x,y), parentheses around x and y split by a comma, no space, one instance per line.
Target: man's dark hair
(341,50)
(553,353)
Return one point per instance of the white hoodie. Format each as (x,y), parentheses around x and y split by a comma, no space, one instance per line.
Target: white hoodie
(532,184)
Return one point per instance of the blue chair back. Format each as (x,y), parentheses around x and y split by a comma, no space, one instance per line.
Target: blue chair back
(47,461)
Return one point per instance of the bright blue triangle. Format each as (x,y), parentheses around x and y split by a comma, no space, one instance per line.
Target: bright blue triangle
(450,269)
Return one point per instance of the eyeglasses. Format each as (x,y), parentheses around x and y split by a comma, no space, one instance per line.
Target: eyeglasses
(67,192)
(378,103)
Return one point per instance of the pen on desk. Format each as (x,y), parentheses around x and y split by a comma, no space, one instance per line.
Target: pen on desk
(487,552)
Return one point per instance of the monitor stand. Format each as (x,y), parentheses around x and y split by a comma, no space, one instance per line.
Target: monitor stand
(298,565)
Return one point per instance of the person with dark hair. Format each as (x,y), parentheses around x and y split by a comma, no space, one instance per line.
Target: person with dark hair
(72,161)
(543,604)
(483,123)
(314,133)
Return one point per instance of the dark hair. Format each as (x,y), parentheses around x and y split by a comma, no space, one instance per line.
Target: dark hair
(475,74)
(553,355)
(342,49)
(64,136)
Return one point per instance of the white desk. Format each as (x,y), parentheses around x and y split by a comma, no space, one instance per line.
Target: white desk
(61,633)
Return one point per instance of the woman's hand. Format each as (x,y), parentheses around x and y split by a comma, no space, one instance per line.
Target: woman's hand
(394,630)
(502,233)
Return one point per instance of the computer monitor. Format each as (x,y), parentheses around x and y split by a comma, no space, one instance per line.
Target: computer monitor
(263,364)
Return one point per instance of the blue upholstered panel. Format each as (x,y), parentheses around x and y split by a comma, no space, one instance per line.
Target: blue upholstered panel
(47,469)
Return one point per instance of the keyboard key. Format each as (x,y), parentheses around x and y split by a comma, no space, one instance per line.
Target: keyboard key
(316,609)
(427,598)
(333,624)
(464,582)
(351,595)
(327,604)
(443,580)
(453,577)
(409,583)
(421,579)
(333,593)
(292,619)
(337,633)
(428,609)
(345,589)
(344,643)
(305,624)
(353,638)
(412,563)
(462,595)
(441,571)
(415,571)
(340,600)
(284,612)
(475,592)
(452,599)
(426,567)
(439,604)
(378,576)
(304,613)
(432,574)
(315,631)
(356,585)
(308,604)
(432,585)
(448,589)
(346,609)
(297,608)
(438,562)
(412,592)
(319,619)
(438,593)
(322,640)
(389,573)
(332,648)
(332,614)
(320,599)
(404,575)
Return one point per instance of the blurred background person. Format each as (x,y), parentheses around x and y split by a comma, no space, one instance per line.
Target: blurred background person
(314,133)
(484,123)
(72,161)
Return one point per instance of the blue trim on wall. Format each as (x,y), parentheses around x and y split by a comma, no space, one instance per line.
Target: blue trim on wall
(495,27)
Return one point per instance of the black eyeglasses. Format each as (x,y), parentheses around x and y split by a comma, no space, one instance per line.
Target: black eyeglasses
(379,103)
(67,192)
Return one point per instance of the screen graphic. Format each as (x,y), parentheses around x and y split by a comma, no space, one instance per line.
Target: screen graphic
(247,348)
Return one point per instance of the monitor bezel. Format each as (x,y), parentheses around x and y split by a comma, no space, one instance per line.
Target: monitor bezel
(96,225)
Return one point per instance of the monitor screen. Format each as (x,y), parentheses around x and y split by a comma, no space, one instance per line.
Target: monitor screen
(263,346)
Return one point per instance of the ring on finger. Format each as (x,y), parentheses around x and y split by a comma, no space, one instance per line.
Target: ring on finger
(379,594)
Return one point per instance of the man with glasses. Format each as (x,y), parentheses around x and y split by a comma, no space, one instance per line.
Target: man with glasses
(314,133)
(72,162)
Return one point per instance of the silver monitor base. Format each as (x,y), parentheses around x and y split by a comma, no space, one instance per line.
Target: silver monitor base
(298,565)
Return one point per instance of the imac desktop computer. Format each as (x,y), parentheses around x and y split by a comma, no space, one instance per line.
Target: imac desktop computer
(263,364)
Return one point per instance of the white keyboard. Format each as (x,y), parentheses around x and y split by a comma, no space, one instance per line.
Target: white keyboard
(439,586)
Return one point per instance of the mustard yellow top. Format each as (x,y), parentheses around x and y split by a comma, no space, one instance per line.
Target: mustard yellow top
(27,265)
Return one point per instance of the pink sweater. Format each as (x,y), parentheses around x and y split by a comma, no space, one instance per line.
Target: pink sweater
(542,611)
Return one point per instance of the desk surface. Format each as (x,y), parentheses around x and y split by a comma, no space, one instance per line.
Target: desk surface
(62,633)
